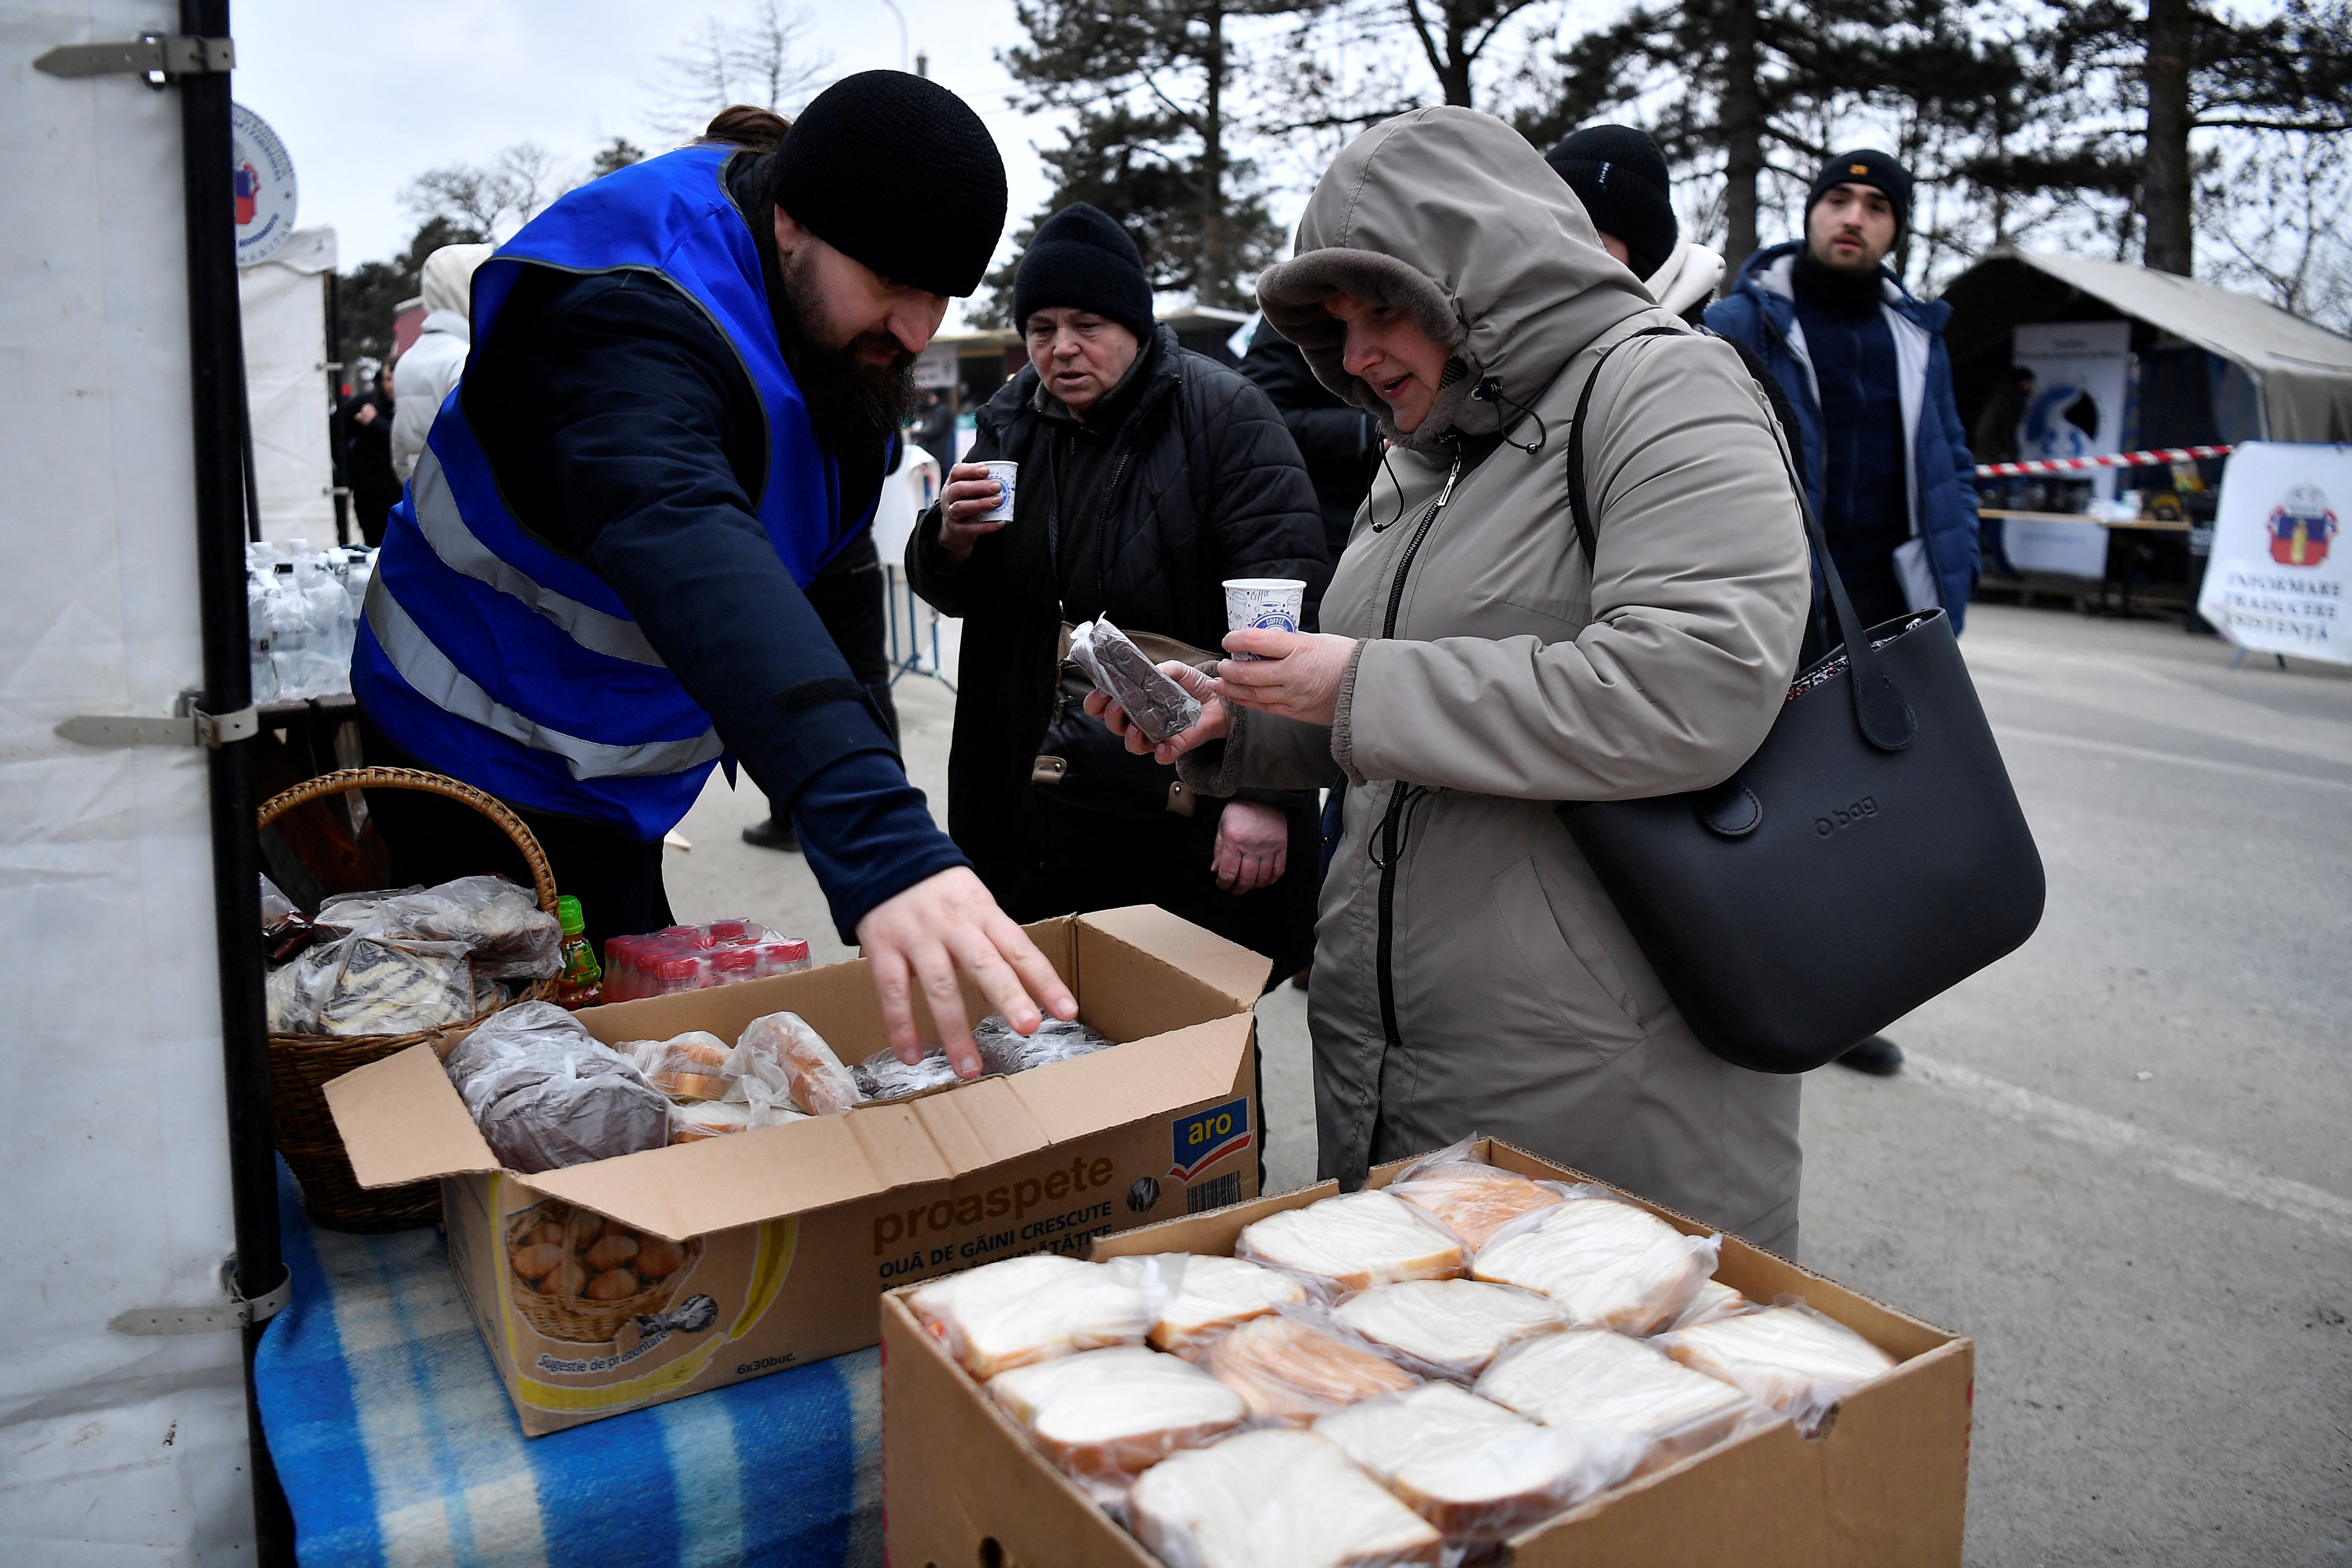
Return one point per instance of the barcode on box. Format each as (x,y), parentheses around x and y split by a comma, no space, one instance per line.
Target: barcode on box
(1213,1194)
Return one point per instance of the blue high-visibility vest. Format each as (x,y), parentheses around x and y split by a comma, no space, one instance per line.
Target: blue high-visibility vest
(495,660)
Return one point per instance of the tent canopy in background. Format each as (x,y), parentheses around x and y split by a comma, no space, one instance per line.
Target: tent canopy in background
(284,300)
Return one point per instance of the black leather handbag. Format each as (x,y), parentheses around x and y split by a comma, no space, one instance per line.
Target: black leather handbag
(1869,856)
(1081,764)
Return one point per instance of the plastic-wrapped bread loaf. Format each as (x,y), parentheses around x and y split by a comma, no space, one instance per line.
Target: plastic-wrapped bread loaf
(546,1094)
(1606,1262)
(812,1074)
(1453,1327)
(1274,1500)
(1355,1241)
(1596,1378)
(1791,1357)
(1213,1294)
(1115,1412)
(692,1066)
(1472,1468)
(1024,1310)
(1290,1372)
(1472,1200)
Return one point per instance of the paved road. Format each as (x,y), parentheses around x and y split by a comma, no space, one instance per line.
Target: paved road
(2118,1158)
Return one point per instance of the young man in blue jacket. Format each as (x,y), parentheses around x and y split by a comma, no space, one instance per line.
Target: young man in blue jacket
(1863,364)
(685,381)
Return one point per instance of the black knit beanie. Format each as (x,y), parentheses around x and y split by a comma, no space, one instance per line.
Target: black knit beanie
(897,172)
(1617,172)
(1082,260)
(1868,167)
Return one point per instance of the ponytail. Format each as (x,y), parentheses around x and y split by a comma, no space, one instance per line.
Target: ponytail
(740,125)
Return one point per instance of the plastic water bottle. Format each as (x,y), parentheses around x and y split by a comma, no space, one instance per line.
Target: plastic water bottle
(256,623)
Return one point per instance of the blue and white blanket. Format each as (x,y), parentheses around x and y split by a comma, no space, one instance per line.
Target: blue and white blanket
(396,1444)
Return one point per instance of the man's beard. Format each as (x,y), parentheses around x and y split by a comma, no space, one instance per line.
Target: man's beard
(852,401)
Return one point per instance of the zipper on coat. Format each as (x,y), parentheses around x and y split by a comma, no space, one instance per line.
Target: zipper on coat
(1391,822)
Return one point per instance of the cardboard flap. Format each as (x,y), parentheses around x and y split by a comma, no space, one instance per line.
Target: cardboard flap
(1226,967)
(1087,1094)
(719,1182)
(401,1120)
(980,1125)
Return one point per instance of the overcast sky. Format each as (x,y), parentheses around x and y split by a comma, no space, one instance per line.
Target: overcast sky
(366,97)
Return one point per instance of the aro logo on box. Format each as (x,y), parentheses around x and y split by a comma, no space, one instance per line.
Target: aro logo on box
(1845,816)
(1207,1136)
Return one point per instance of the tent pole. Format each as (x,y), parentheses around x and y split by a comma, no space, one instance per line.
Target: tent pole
(216,360)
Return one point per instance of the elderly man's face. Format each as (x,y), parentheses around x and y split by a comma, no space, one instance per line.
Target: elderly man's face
(1079,355)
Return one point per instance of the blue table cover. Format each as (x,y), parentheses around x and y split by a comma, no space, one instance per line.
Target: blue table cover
(396,1444)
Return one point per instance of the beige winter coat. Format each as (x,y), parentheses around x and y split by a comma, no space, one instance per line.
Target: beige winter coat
(1510,681)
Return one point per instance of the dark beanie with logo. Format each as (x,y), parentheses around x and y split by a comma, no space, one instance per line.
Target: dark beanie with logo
(897,172)
(1081,258)
(1870,167)
(1619,174)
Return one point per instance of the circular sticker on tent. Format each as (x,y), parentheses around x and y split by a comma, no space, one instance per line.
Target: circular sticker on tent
(264,188)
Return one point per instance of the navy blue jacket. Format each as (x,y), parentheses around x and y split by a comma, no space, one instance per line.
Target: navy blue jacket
(1938,565)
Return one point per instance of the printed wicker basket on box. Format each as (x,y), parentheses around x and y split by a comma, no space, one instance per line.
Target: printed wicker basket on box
(301,1066)
(553,1302)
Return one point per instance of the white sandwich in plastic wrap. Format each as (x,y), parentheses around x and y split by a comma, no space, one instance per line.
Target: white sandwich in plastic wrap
(1791,1357)
(1290,1372)
(1714,1299)
(1472,1200)
(1356,1241)
(1455,1326)
(1115,1413)
(1596,1378)
(1471,1468)
(1605,1262)
(1214,1294)
(1274,1500)
(1024,1310)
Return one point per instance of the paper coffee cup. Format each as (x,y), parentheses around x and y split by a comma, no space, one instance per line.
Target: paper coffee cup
(1005,472)
(1272,604)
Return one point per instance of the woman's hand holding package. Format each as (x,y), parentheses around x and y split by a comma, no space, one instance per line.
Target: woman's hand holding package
(1296,675)
(1213,723)
(1252,845)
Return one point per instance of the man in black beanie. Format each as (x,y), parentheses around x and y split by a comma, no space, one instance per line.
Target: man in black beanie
(686,386)
(1148,475)
(1863,364)
(1620,176)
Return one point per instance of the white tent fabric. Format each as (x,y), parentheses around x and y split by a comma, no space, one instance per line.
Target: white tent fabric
(284,301)
(2304,371)
(113,1450)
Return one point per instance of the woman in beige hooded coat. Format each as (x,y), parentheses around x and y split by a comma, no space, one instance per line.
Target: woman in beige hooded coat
(1470,974)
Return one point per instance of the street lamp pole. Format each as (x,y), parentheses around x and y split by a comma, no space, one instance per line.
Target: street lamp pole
(901,15)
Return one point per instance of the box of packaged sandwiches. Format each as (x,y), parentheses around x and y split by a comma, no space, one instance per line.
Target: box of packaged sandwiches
(1481,1357)
(662,1196)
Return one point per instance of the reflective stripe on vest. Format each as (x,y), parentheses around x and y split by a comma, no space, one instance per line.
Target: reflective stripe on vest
(492,659)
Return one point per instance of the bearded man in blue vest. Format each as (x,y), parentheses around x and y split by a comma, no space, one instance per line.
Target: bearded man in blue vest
(685,385)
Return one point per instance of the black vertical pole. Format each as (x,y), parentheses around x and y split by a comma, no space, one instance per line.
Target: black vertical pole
(217,359)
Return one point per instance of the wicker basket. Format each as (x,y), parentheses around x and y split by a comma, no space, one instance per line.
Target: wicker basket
(553,1305)
(301,1066)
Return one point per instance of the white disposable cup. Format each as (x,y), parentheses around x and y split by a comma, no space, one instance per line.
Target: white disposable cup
(1271,604)
(1007,473)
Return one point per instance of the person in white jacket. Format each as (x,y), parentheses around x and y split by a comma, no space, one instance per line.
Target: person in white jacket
(1619,174)
(435,360)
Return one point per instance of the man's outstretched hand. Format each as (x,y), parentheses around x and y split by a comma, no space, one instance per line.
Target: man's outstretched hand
(944,926)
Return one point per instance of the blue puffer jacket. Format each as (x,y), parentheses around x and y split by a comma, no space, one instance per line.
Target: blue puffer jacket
(1939,565)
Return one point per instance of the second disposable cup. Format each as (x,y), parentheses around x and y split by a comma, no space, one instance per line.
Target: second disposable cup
(1006,473)
(1271,604)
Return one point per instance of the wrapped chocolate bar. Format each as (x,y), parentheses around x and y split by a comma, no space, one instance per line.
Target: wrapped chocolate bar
(1056,1040)
(883,1076)
(1159,708)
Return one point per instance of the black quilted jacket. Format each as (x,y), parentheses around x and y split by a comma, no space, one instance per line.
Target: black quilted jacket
(1205,484)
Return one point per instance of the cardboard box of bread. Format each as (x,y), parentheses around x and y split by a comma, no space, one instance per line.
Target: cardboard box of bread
(1480,1357)
(775,1192)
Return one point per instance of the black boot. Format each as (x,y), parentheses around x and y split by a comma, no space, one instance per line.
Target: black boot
(1877,1056)
(773,833)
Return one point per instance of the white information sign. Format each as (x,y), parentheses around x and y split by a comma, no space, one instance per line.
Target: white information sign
(264,188)
(2276,581)
(2080,370)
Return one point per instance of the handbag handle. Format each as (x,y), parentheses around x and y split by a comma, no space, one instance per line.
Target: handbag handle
(1885,718)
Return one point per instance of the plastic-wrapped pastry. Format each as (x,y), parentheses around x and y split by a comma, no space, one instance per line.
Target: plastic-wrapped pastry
(1213,1294)
(1452,1328)
(1596,1378)
(1472,1468)
(546,1094)
(1274,1500)
(288,1010)
(1356,1241)
(801,1060)
(374,984)
(1471,1198)
(1056,1040)
(1159,708)
(1115,1412)
(1024,1310)
(883,1076)
(695,1120)
(1605,1262)
(692,1066)
(1291,1372)
(1789,1356)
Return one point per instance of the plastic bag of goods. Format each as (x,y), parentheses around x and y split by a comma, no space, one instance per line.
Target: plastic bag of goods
(787,1053)
(1353,1242)
(1292,1366)
(1024,1310)
(370,983)
(1105,1416)
(1605,1261)
(1159,708)
(1274,1500)
(1214,1294)
(1594,1377)
(1787,1355)
(1449,1328)
(546,1094)
(285,929)
(1470,1197)
(692,1066)
(1001,1049)
(502,924)
(883,1076)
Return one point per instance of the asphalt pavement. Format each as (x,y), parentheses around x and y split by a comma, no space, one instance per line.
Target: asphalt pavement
(2117,1158)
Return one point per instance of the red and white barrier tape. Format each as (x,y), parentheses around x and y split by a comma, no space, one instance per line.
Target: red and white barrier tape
(2116,460)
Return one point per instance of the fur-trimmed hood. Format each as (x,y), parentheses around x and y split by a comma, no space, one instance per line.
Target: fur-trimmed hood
(1452,214)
